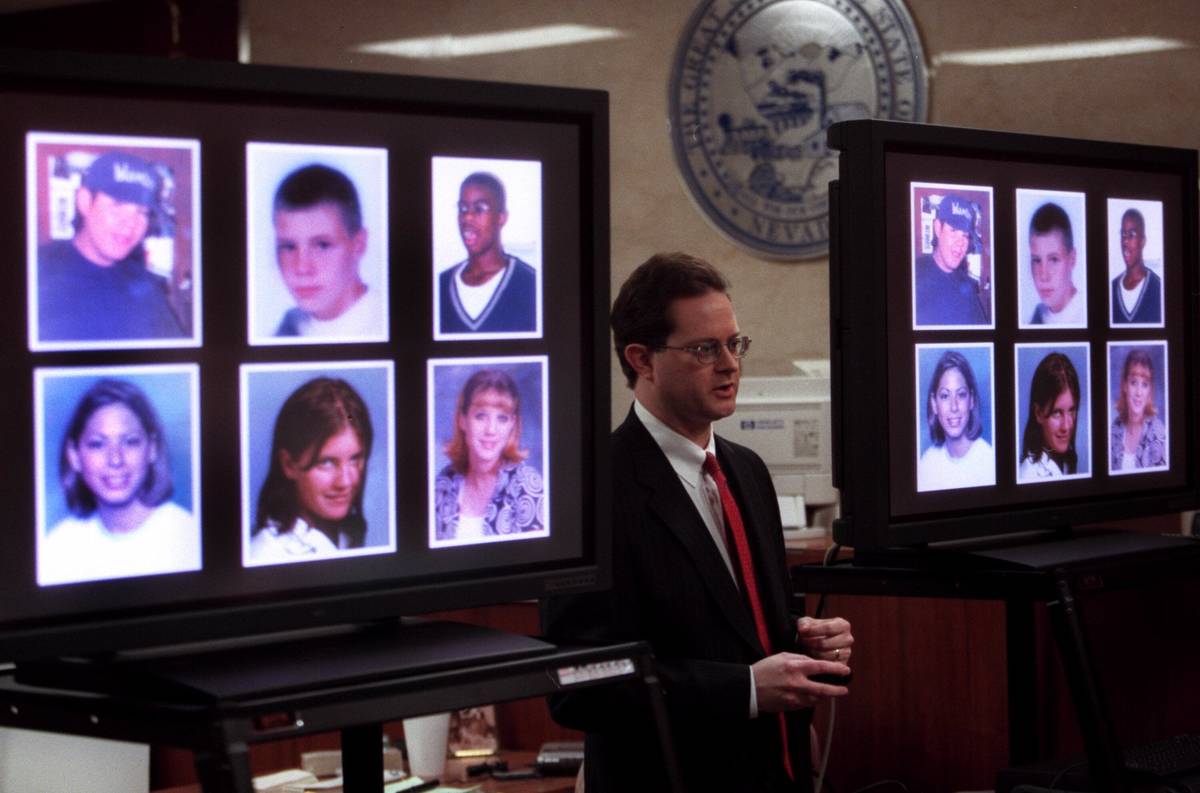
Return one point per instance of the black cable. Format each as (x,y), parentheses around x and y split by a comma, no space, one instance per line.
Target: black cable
(1062,772)
(883,782)
(830,555)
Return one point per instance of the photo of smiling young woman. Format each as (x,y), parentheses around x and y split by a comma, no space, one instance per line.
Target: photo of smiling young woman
(1138,414)
(955,417)
(118,475)
(1054,437)
(317,471)
(488,467)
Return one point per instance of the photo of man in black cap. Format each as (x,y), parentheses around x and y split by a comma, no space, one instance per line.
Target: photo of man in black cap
(96,288)
(945,291)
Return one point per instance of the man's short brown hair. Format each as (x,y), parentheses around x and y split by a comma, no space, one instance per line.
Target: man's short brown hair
(641,312)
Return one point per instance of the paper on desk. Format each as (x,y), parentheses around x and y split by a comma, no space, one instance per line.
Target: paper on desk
(415,781)
(326,786)
(275,783)
(335,784)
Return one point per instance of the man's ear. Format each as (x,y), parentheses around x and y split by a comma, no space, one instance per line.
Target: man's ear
(83,200)
(639,357)
(358,243)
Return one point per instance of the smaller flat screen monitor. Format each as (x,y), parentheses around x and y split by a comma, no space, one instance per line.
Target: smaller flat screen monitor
(1013,332)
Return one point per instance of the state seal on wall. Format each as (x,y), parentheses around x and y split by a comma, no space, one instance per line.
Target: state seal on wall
(753,86)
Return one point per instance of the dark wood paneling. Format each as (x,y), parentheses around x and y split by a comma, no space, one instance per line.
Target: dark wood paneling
(929,702)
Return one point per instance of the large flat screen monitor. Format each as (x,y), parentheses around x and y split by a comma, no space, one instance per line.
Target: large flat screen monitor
(1013,332)
(287,348)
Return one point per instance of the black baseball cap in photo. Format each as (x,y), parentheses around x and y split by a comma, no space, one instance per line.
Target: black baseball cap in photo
(957,212)
(125,177)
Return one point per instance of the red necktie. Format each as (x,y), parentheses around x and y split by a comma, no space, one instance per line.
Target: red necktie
(736,531)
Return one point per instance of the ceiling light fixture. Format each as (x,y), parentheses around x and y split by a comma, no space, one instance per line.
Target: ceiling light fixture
(449,46)
(1065,51)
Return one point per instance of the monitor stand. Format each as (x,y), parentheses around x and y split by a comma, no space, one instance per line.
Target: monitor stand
(1048,567)
(1043,550)
(228,671)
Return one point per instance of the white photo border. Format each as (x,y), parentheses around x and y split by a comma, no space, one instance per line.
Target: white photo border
(260,197)
(914,247)
(330,368)
(1085,398)
(1163,409)
(36,138)
(920,404)
(1113,210)
(1079,238)
(42,374)
(446,172)
(432,366)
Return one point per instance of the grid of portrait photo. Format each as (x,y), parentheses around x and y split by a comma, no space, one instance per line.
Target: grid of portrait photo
(114,278)
(1067,369)
(114,263)
(487,423)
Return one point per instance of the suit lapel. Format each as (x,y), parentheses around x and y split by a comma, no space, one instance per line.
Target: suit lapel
(674,510)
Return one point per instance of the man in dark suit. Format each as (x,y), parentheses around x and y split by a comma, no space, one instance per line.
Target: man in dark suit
(735,667)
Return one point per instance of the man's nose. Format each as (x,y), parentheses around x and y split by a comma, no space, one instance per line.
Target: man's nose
(306,260)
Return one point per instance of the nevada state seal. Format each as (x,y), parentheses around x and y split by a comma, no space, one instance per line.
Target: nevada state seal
(753,87)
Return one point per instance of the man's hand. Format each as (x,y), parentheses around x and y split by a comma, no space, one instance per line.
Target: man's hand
(782,682)
(829,640)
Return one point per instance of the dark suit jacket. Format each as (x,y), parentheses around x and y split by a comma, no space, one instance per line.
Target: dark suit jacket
(672,589)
